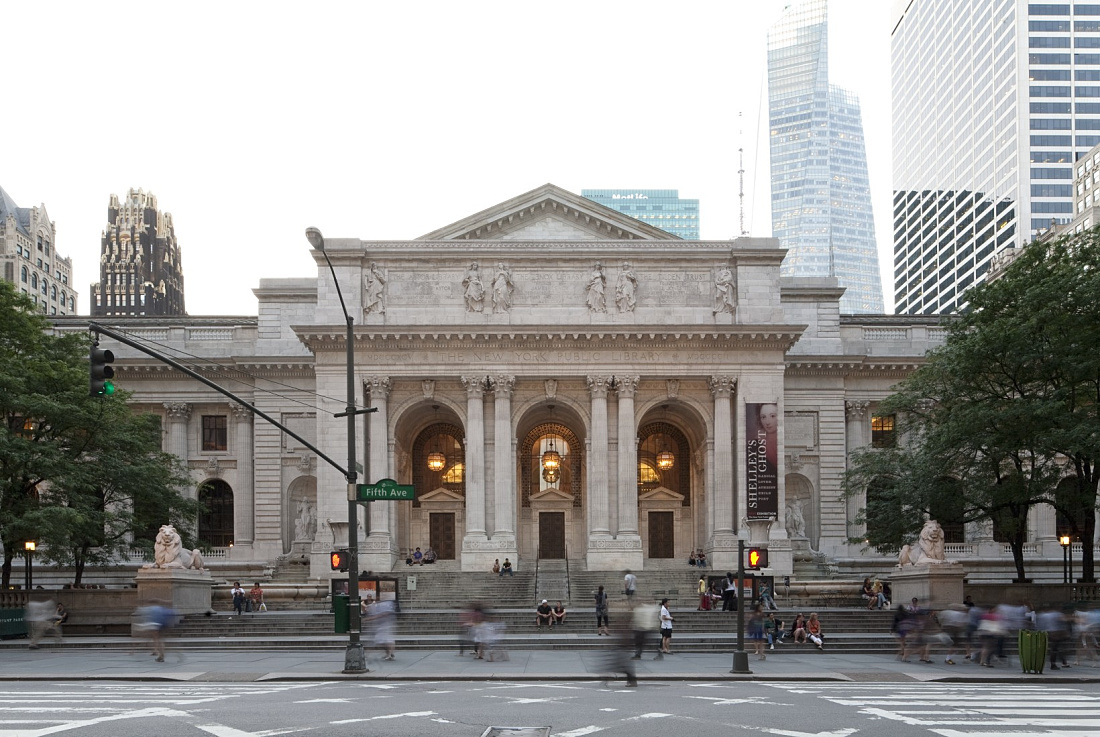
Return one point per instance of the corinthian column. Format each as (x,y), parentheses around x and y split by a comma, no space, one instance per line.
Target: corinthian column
(379,456)
(178,415)
(244,504)
(855,414)
(722,388)
(598,512)
(505,491)
(475,455)
(628,458)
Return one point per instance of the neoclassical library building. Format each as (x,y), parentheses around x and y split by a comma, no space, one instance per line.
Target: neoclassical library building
(554,379)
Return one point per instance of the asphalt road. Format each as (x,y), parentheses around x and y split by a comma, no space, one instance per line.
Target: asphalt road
(558,709)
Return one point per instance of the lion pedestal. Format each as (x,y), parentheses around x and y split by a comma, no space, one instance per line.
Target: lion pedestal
(176,577)
(935,585)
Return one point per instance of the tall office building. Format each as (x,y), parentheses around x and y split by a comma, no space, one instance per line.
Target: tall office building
(661,208)
(993,102)
(139,267)
(29,257)
(821,196)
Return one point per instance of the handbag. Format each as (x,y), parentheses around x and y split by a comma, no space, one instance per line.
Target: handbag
(263,606)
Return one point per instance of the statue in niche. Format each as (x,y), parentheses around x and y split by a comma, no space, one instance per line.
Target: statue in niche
(626,289)
(305,521)
(595,288)
(473,291)
(376,290)
(503,287)
(725,292)
(794,520)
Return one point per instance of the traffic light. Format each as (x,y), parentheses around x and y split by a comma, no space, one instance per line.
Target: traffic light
(339,560)
(99,371)
(758,558)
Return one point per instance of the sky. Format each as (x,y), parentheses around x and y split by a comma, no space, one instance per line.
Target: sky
(387,120)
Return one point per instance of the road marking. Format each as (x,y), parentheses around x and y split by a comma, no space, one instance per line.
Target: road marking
(650,715)
(722,702)
(608,709)
(324,701)
(66,726)
(792,733)
(386,716)
(221,730)
(579,732)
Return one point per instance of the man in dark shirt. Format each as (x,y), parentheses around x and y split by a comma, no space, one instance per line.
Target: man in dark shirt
(544,615)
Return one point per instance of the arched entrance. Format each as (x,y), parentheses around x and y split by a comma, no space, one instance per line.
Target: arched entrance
(439,475)
(664,490)
(216,515)
(550,461)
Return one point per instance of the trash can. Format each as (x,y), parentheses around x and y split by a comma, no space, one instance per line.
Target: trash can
(341,617)
(1033,650)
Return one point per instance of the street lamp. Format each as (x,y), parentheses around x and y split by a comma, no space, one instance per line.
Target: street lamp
(1067,559)
(28,550)
(355,660)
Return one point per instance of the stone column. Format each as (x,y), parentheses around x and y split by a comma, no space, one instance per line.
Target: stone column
(598,512)
(855,413)
(475,457)
(504,496)
(379,387)
(628,458)
(722,388)
(178,415)
(244,492)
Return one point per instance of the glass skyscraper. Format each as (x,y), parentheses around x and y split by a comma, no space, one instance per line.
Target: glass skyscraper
(984,143)
(821,196)
(661,208)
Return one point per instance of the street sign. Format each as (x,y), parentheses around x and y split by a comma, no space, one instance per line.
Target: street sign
(384,490)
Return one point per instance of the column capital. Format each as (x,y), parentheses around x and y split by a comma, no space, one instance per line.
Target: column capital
(598,385)
(178,410)
(626,386)
(475,386)
(240,412)
(722,386)
(855,410)
(502,384)
(379,386)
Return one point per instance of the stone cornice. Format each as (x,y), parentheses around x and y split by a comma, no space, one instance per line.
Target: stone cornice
(224,372)
(899,320)
(894,366)
(757,337)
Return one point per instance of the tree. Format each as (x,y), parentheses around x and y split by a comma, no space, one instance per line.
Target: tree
(1006,408)
(78,474)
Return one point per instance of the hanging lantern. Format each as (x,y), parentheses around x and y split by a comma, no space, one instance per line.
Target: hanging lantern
(551,475)
(436,461)
(551,460)
(665,460)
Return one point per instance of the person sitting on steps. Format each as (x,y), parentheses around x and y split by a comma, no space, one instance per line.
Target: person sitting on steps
(558,613)
(506,567)
(543,614)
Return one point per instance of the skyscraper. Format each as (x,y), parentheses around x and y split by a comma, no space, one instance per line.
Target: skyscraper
(139,268)
(821,196)
(984,144)
(29,257)
(661,208)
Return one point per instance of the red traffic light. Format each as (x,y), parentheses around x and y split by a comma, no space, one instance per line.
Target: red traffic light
(758,558)
(339,560)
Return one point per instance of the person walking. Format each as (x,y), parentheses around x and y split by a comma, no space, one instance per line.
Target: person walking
(756,630)
(601,613)
(666,628)
(630,583)
(729,594)
(381,615)
(704,599)
(645,623)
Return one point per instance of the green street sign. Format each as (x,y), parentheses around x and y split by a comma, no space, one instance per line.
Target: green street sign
(384,490)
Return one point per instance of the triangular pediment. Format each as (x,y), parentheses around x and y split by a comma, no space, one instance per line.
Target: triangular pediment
(440,495)
(551,494)
(549,213)
(660,494)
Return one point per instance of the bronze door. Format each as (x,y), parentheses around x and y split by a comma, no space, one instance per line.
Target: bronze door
(552,534)
(661,539)
(441,534)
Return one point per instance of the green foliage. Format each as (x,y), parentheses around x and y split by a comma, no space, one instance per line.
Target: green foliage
(77,473)
(1006,408)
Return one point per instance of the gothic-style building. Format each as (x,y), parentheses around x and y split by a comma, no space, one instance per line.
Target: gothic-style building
(140,272)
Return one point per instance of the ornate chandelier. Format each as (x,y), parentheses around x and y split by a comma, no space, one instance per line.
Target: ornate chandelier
(665,458)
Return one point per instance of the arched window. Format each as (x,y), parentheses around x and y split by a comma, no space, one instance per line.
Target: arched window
(34,281)
(23,273)
(216,517)
(663,459)
(45,287)
(441,446)
(53,292)
(537,476)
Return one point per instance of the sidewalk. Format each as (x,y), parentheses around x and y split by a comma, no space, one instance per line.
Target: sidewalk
(116,662)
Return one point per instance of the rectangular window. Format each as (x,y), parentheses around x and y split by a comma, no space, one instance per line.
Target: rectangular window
(1052,190)
(882,432)
(1048,42)
(1086,26)
(1050,172)
(1050,157)
(1046,90)
(1066,207)
(1048,26)
(1048,58)
(1048,8)
(214,433)
(1049,75)
(1086,9)
(1050,124)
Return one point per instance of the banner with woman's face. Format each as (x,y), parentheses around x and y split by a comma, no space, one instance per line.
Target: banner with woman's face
(761,459)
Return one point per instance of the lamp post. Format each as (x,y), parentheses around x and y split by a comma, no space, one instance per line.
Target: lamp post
(1067,565)
(355,660)
(28,550)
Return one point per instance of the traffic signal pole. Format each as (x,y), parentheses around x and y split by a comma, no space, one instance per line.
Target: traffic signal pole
(740,657)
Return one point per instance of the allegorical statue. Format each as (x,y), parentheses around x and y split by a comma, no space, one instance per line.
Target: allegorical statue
(626,289)
(594,290)
(376,290)
(794,520)
(473,291)
(502,288)
(725,291)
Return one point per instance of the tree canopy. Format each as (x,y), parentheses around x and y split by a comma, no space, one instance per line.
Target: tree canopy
(82,476)
(1006,409)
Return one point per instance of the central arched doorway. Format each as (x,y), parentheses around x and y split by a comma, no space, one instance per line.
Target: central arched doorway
(551,462)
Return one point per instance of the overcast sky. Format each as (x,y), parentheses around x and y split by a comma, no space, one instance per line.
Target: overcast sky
(251,121)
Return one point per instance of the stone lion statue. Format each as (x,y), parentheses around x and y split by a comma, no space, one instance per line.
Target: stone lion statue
(929,547)
(169,552)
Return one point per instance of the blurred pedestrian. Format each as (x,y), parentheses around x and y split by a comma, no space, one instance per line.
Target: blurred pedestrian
(617,659)
(40,617)
(382,615)
(156,619)
(645,624)
(601,612)
(756,630)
